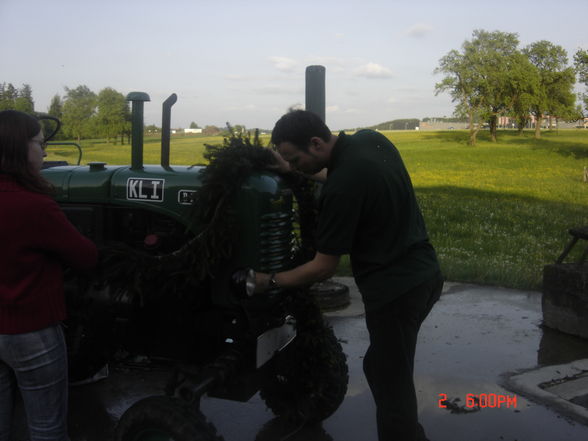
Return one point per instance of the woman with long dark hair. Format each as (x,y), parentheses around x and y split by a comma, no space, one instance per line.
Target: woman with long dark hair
(36,241)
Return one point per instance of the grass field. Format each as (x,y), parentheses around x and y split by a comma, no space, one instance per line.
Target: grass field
(496,212)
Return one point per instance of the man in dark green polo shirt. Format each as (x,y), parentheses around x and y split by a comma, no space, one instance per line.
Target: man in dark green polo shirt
(368,210)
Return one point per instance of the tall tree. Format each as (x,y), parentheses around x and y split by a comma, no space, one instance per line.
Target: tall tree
(460,81)
(494,57)
(484,78)
(8,95)
(581,63)
(16,99)
(78,110)
(56,107)
(24,100)
(56,110)
(211,130)
(556,81)
(111,115)
(524,84)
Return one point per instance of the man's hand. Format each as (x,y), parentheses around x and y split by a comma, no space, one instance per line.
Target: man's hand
(320,268)
(281,165)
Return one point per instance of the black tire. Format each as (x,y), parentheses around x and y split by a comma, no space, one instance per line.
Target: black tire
(162,418)
(307,381)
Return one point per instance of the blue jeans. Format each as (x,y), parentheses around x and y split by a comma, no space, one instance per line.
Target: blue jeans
(36,362)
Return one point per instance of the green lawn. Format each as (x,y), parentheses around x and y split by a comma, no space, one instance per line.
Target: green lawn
(186,150)
(496,212)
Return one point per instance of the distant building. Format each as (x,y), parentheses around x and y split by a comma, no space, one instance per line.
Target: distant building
(503,122)
(433,124)
(192,130)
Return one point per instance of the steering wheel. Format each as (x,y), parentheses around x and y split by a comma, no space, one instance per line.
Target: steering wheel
(57,125)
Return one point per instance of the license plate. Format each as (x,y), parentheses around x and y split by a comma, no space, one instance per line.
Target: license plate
(274,340)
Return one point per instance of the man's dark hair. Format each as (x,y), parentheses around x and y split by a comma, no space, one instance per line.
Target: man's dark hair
(297,127)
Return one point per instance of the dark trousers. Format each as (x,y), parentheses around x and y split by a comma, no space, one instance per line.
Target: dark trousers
(389,360)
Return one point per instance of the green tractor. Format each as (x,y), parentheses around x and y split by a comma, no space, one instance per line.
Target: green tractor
(165,292)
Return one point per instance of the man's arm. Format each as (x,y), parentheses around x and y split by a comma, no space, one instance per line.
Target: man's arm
(320,268)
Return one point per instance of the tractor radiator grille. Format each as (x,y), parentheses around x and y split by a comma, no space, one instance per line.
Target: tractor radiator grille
(276,241)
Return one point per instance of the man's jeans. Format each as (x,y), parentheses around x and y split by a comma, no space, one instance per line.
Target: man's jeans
(36,362)
(389,361)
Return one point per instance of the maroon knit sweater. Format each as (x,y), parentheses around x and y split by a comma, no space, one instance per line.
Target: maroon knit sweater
(36,239)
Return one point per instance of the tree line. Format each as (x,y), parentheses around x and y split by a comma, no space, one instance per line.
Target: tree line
(84,114)
(491,77)
(12,98)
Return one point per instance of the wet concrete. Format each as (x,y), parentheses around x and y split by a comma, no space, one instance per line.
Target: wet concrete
(472,339)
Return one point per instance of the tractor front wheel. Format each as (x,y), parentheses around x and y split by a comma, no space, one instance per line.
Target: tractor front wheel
(162,418)
(307,381)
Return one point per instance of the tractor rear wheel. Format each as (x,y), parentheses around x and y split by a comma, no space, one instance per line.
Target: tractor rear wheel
(162,418)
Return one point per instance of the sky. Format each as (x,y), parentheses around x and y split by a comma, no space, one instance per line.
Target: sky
(243,61)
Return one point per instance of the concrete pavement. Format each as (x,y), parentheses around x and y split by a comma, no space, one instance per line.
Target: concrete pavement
(479,343)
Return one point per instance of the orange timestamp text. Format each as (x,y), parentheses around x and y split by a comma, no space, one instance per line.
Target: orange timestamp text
(478,401)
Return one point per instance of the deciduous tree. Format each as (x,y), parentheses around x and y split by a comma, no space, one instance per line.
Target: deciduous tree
(24,100)
(211,130)
(152,128)
(556,81)
(112,112)
(463,82)
(78,109)
(56,107)
(495,58)
(8,94)
(581,63)
(56,110)
(12,98)
(524,84)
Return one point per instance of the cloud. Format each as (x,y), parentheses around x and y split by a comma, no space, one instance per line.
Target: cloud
(333,64)
(419,30)
(276,90)
(284,64)
(236,77)
(373,70)
(338,110)
(245,107)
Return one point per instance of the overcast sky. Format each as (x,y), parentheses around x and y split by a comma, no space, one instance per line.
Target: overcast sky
(243,61)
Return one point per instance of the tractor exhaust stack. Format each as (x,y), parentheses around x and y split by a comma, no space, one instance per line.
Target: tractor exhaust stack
(166,128)
(137,99)
(315,90)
